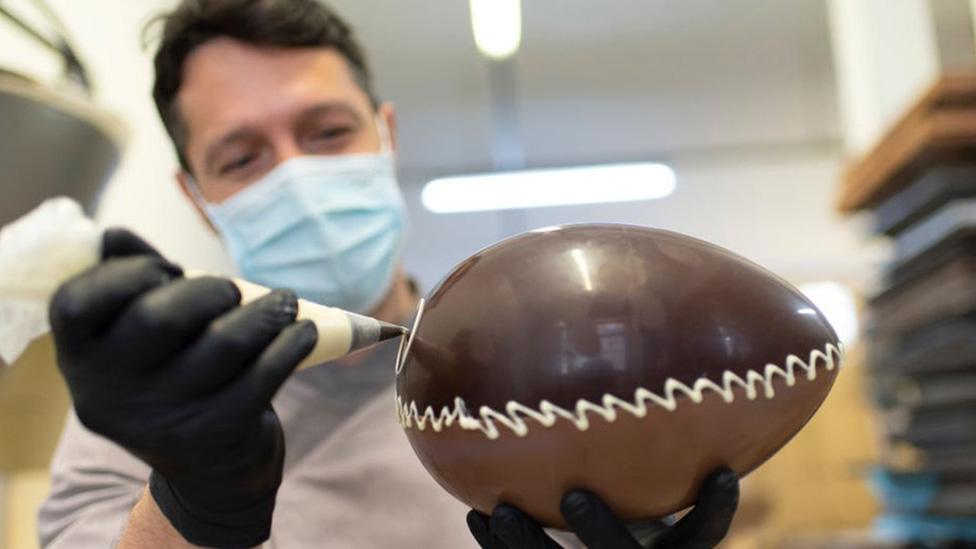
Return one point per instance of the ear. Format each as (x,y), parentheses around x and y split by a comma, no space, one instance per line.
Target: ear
(184,180)
(388,111)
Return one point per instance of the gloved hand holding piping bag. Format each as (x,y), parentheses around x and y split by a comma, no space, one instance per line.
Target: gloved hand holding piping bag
(179,370)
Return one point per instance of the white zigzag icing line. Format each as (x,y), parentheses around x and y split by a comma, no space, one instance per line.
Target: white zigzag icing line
(547,412)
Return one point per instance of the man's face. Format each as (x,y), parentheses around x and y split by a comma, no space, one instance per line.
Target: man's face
(246,109)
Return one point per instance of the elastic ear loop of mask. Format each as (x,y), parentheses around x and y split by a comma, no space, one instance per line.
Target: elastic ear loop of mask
(194,189)
(386,141)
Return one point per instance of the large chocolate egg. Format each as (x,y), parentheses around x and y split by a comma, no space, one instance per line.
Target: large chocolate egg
(624,360)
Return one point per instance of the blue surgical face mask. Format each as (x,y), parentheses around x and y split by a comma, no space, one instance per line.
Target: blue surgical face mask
(328,227)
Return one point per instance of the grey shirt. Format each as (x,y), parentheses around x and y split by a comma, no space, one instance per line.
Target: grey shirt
(351,479)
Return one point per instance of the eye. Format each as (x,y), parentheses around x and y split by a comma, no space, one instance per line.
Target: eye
(236,164)
(332,133)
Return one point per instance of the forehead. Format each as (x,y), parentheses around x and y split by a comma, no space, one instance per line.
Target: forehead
(227,83)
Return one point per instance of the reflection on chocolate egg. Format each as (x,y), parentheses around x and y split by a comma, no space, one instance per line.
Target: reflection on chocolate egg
(624,360)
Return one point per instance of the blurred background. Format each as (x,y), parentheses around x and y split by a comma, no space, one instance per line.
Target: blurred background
(771,118)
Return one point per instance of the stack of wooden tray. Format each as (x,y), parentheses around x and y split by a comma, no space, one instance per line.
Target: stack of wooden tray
(919,183)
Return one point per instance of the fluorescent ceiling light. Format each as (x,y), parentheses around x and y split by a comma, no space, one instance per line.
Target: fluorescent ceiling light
(497,26)
(555,187)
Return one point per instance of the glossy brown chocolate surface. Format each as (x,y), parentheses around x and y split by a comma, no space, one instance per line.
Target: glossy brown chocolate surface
(588,310)
(584,311)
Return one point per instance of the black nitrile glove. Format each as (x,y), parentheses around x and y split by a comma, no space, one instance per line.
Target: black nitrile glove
(175,372)
(597,527)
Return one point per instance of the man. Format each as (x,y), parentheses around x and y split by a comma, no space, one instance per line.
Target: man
(287,153)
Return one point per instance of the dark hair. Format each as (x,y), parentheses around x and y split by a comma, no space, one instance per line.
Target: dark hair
(275,23)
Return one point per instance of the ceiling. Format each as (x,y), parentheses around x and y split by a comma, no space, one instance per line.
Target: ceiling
(605,81)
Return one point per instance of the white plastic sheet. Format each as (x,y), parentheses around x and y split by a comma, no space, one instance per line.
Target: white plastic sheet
(39,252)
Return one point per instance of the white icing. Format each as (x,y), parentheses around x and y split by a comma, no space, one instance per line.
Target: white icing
(547,413)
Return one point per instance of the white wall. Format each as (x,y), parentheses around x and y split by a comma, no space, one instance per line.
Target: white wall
(886,54)
(778,212)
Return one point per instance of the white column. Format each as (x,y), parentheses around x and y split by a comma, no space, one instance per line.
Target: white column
(972,21)
(885,55)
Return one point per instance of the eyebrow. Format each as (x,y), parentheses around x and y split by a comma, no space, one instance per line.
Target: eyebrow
(326,108)
(244,131)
